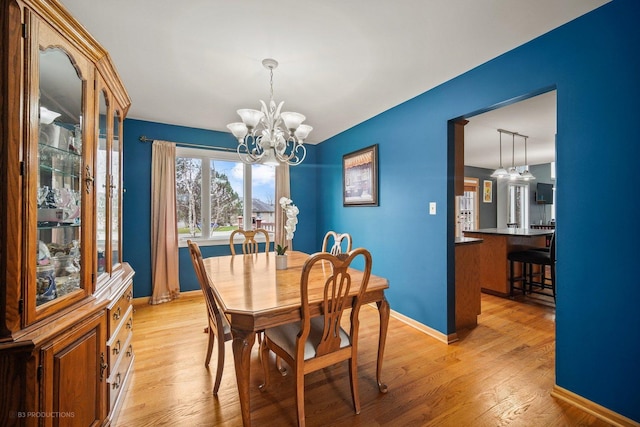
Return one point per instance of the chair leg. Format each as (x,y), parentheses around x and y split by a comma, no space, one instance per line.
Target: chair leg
(511,278)
(212,338)
(282,369)
(353,379)
(220,367)
(264,359)
(300,396)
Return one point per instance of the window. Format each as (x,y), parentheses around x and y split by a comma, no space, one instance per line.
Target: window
(518,213)
(212,190)
(467,207)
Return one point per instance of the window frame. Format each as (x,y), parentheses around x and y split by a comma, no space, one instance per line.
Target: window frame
(206,155)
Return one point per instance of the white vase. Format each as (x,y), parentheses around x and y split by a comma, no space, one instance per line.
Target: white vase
(281,262)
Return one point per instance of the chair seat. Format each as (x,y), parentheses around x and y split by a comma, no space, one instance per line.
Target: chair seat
(226,327)
(531,256)
(285,337)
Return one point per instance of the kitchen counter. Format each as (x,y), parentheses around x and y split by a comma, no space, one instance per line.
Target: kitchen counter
(467,240)
(523,232)
(493,272)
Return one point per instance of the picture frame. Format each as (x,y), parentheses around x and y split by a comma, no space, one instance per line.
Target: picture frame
(360,177)
(487,191)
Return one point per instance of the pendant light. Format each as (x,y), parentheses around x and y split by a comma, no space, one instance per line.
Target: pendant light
(500,172)
(513,173)
(526,175)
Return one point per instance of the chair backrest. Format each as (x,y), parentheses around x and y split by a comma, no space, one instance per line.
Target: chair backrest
(337,288)
(338,238)
(215,315)
(249,245)
(552,248)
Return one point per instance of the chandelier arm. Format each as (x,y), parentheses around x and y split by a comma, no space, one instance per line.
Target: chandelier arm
(252,149)
(296,155)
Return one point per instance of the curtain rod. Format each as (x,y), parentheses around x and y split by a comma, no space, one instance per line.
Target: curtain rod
(143,138)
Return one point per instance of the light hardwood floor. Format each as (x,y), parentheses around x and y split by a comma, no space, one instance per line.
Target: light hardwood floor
(500,373)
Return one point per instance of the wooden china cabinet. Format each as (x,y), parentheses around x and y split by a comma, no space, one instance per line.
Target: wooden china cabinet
(65,294)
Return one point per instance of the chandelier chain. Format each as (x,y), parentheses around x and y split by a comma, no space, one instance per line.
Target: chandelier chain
(271,81)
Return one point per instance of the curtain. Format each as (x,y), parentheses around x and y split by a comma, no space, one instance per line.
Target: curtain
(164,229)
(282,190)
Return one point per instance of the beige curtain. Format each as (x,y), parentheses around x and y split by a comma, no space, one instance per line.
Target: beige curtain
(164,231)
(282,190)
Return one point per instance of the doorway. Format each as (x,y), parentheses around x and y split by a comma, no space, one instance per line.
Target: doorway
(511,202)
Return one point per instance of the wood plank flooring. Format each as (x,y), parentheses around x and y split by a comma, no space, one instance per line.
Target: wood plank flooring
(498,374)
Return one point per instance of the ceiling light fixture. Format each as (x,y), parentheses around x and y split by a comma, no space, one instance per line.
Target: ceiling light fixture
(513,172)
(500,172)
(526,175)
(269,136)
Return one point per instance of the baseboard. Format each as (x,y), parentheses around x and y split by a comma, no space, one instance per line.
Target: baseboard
(447,339)
(185,294)
(592,408)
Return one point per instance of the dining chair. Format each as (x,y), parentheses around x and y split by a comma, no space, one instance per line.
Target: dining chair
(337,238)
(249,245)
(317,342)
(218,324)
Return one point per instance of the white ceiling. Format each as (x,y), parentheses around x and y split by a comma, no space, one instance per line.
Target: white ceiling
(194,63)
(534,117)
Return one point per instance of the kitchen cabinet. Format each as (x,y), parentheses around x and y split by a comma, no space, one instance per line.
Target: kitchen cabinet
(62,105)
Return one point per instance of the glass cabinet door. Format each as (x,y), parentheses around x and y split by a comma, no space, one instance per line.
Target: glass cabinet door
(108,183)
(102,177)
(60,177)
(116,180)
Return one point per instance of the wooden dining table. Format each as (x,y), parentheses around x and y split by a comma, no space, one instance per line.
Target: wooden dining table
(255,296)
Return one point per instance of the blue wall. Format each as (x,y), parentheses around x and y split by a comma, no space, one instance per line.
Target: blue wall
(594,64)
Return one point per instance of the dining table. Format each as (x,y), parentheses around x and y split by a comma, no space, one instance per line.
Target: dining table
(254,296)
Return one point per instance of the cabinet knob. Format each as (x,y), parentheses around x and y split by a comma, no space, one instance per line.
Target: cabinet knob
(116,383)
(103,367)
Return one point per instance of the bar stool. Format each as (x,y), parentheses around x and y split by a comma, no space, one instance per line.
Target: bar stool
(528,259)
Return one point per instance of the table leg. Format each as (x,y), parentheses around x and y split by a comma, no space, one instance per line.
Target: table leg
(383,311)
(242,345)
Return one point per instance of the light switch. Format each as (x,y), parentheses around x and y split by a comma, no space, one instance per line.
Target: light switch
(432,208)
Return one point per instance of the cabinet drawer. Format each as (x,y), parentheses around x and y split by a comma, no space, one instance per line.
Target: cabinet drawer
(120,374)
(116,343)
(117,311)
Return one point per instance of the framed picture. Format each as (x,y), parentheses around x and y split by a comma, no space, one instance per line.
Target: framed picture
(360,177)
(487,191)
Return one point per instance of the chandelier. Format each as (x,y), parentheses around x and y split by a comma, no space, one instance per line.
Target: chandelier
(269,136)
